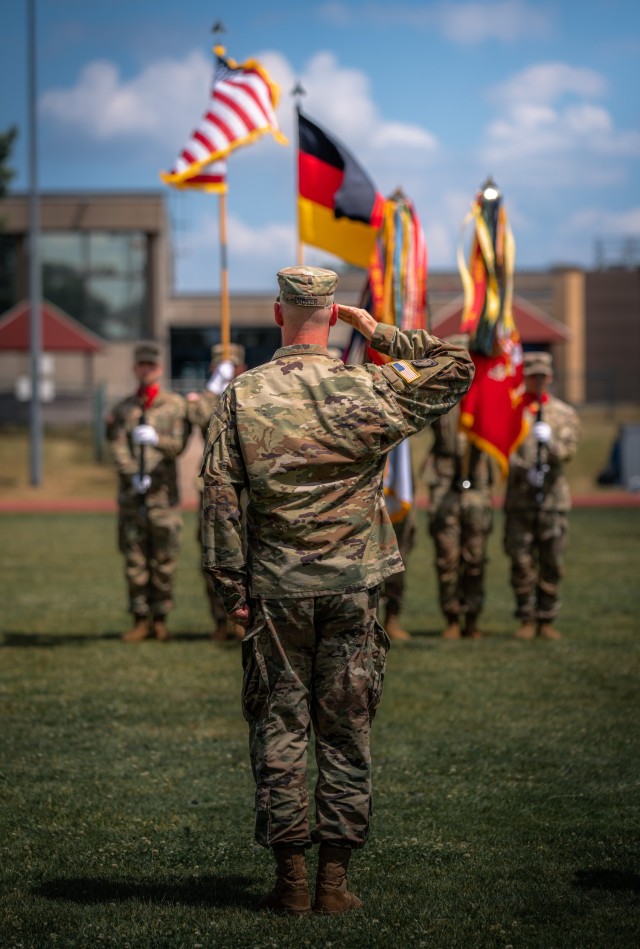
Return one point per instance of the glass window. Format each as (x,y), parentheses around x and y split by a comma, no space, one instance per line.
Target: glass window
(99,278)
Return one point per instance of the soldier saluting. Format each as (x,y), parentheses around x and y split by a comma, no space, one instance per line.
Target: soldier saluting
(307,437)
(147,431)
(538,501)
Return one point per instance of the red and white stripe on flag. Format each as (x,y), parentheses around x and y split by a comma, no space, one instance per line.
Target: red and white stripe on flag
(211,177)
(241,108)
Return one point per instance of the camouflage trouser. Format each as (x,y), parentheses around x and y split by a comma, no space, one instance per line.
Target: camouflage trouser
(313,661)
(393,588)
(150,543)
(460,526)
(216,605)
(535,542)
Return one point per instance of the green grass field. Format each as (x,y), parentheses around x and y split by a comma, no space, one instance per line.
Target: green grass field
(506,774)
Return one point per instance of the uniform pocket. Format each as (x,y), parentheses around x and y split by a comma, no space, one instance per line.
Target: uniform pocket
(255,678)
(380,645)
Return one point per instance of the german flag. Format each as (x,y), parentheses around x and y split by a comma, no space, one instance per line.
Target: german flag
(339,209)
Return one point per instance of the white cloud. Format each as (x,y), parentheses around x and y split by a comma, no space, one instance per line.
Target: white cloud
(158,103)
(619,223)
(546,82)
(161,103)
(506,20)
(466,24)
(548,113)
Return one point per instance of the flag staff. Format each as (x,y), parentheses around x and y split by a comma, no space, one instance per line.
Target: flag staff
(35,281)
(225,315)
(297,92)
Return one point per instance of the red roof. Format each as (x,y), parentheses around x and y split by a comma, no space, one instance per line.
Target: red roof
(60,332)
(534,325)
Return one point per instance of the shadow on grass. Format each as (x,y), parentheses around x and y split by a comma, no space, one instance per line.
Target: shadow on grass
(599,878)
(203,891)
(50,640)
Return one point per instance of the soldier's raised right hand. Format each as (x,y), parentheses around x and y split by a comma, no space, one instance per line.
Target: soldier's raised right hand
(358,318)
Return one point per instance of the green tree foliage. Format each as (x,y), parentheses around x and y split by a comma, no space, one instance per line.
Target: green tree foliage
(7,140)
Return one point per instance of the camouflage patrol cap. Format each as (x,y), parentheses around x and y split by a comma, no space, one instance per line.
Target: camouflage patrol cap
(307,286)
(538,364)
(147,351)
(236,353)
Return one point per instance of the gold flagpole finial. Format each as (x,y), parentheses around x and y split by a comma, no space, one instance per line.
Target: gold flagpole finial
(489,189)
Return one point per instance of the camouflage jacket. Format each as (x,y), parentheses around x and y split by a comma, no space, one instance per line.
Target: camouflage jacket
(167,415)
(565,436)
(453,460)
(307,436)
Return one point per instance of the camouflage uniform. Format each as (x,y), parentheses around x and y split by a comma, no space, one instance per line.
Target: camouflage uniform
(149,525)
(199,411)
(307,435)
(460,518)
(535,534)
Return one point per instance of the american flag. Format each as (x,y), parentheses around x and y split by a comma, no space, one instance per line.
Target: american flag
(241,108)
(211,177)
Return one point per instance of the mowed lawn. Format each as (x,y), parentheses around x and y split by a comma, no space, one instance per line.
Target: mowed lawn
(506,774)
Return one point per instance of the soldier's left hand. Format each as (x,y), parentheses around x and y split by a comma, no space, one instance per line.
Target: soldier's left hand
(144,435)
(242,615)
(542,432)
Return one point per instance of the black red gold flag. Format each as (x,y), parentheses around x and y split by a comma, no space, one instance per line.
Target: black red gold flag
(339,208)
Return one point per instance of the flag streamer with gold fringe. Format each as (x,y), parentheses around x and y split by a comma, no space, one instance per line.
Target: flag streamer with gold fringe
(491,411)
(396,293)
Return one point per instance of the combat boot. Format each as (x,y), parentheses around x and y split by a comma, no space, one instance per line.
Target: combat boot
(471,630)
(548,632)
(453,630)
(395,630)
(160,630)
(139,631)
(332,892)
(291,892)
(526,631)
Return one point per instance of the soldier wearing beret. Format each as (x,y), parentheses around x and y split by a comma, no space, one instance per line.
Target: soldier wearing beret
(307,437)
(538,501)
(200,405)
(147,431)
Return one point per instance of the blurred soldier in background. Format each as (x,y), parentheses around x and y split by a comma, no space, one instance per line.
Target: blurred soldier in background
(402,515)
(308,435)
(460,478)
(538,500)
(200,407)
(147,431)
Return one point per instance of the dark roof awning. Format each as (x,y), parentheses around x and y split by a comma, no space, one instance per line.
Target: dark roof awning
(534,325)
(60,332)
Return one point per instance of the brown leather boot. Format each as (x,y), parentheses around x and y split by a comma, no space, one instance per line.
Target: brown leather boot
(139,631)
(291,893)
(453,630)
(471,630)
(548,632)
(526,631)
(332,893)
(160,630)
(395,630)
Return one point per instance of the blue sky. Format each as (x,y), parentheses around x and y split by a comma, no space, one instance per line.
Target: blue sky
(430,96)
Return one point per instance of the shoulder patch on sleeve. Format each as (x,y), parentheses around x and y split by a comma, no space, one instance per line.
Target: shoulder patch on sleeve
(405,370)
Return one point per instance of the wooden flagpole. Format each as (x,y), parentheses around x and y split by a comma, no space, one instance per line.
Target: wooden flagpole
(225,317)
(225,321)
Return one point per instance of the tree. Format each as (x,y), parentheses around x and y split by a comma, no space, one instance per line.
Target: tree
(6,145)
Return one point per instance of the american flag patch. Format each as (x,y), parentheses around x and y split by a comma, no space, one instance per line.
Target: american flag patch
(404,370)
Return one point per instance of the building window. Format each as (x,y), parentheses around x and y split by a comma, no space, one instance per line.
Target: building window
(99,278)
